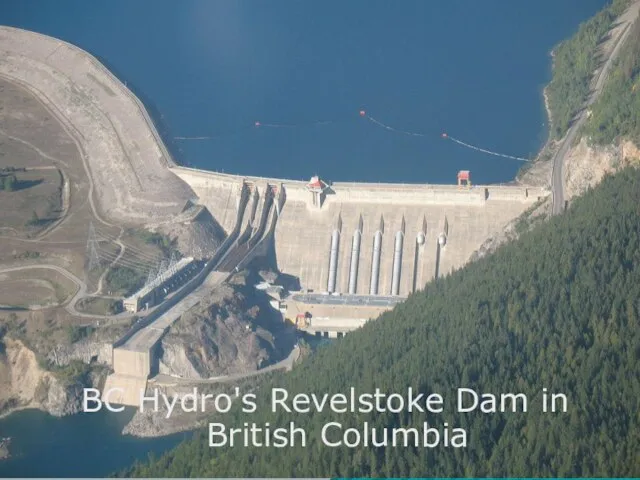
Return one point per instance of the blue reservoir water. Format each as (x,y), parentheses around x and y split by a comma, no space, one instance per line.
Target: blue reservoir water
(85,445)
(473,69)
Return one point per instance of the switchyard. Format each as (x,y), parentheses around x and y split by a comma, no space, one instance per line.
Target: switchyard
(168,278)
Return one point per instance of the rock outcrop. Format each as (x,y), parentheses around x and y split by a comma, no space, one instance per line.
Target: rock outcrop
(198,235)
(231,333)
(24,384)
(4,448)
(85,351)
(586,165)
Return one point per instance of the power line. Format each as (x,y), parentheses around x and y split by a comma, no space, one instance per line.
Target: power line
(140,252)
(93,259)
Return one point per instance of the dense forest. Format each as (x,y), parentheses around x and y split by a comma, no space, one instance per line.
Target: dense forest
(556,309)
(574,62)
(616,113)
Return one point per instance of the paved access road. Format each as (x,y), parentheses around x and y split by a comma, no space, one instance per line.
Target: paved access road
(557,180)
(286,364)
(81,292)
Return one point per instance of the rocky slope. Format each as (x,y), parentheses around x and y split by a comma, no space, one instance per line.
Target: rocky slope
(25,384)
(234,331)
(151,423)
(197,232)
(586,165)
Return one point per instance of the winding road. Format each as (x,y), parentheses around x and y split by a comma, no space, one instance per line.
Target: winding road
(624,22)
(80,293)
(285,364)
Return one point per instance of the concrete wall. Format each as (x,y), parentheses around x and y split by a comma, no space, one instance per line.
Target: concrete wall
(124,390)
(303,239)
(219,193)
(213,184)
(132,363)
(303,232)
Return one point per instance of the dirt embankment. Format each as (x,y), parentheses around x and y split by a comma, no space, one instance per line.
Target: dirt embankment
(197,232)
(120,149)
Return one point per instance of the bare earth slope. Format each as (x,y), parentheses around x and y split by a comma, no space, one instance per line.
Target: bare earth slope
(121,150)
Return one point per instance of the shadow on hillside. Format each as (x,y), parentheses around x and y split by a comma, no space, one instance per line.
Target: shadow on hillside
(25,184)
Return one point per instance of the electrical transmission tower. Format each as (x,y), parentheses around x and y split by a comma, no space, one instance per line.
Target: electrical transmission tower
(162,271)
(93,258)
(153,273)
(173,267)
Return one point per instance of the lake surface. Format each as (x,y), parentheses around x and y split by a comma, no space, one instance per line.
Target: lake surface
(473,69)
(82,445)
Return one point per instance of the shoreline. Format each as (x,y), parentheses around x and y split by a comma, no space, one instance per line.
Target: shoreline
(550,142)
(549,114)
(529,172)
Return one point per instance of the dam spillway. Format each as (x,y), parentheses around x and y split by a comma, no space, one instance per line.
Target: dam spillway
(355,259)
(358,238)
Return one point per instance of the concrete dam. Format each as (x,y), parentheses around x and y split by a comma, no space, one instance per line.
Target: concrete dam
(369,239)
(355,249)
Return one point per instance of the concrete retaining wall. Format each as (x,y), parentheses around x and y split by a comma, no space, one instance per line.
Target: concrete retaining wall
(131,363)
(124,390)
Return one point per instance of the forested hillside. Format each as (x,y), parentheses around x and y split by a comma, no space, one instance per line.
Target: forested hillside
(557,309)
(574,62)
(617,111)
